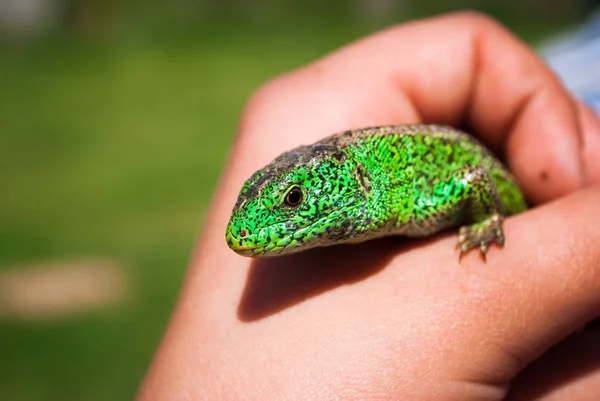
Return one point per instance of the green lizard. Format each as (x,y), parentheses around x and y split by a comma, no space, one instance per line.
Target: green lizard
(412,180)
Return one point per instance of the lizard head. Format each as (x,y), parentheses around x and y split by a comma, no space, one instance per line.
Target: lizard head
(307,197)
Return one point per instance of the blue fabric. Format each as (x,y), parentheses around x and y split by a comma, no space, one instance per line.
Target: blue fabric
(575,57)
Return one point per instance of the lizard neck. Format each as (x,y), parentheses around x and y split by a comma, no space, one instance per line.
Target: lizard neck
(374,176)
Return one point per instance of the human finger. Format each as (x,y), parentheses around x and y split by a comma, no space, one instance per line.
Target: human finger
(458,69)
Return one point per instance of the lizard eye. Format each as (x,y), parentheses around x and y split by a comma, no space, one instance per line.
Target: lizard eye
(294,197)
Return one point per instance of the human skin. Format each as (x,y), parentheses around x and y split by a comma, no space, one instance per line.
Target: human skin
(396,318)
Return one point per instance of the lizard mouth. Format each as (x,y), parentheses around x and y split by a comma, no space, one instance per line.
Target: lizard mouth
(251,246)
(243,246)
(254,245)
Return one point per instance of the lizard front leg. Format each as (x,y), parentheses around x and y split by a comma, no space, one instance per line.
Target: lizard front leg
(468,196)
(484,207)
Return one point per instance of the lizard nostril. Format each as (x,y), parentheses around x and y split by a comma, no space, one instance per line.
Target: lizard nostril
(243,233)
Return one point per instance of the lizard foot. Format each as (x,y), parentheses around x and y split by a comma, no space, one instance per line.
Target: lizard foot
(481,234)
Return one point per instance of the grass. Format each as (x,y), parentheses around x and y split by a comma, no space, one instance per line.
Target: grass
(114,150)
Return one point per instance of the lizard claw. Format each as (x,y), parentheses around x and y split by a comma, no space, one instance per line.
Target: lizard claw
(481,234)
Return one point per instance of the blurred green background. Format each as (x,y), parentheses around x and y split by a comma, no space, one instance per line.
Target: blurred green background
(115,121)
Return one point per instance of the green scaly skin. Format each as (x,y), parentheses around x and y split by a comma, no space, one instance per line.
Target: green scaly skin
(412,180)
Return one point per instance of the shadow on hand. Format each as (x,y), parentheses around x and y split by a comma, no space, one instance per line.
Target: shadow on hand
(274,284)
(573,361)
